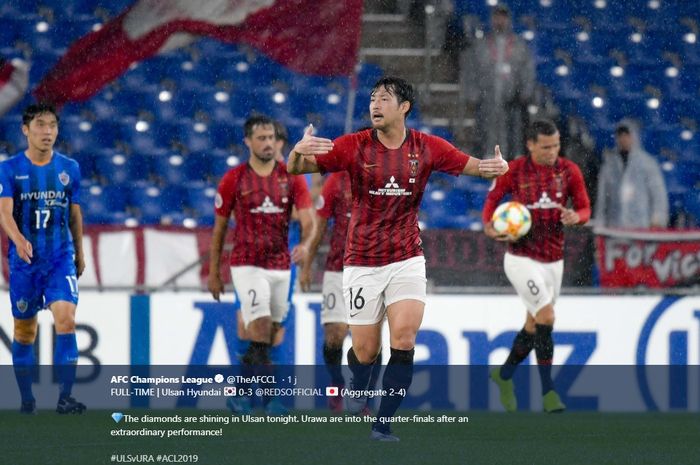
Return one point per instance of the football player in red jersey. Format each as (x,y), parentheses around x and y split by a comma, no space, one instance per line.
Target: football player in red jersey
(544,183)
(384,267)
(260,194)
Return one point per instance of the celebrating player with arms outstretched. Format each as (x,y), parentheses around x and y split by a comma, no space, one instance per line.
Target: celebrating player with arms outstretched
(384,274)
(534,264)
(40,213)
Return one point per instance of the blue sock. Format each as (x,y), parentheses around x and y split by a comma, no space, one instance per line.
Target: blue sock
(23,361)
(66,359)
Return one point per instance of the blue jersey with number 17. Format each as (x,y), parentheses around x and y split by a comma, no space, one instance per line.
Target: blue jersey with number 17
(42,198)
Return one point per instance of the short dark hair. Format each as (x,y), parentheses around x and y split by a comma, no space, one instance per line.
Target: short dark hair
(281,132)
(36,109)
(401,88)
(256,120)
(541,126)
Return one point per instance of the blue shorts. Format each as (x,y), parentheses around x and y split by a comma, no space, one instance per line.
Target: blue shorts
(35,287)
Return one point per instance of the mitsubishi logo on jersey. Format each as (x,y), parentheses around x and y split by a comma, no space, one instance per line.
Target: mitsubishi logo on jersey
(267,207)
(391,184)
(544,203)
(391,188)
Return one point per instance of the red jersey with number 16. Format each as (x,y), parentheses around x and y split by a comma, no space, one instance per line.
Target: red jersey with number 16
(261,206)
(387,187)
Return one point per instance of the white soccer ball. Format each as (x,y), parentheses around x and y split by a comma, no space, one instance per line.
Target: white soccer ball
(513,219)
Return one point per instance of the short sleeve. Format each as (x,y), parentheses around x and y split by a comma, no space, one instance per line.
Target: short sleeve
(302,197)
(446,157)
(339,158)
(5,181)
(225,198)
(327,199)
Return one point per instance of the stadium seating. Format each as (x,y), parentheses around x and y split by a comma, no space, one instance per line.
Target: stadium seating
(176,119)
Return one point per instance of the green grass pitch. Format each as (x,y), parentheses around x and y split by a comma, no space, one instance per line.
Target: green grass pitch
(487,438)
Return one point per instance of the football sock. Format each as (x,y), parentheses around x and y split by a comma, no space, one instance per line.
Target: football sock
(397,377)
(376,370)
(544,350)
(522,345)
(332,356)
(23,361)
(257,359)
(360,371)
(66,359)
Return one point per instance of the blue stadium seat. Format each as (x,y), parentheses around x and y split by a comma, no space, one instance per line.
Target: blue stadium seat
(11,132)
(86,160)
(175,168)
(200,197)
(222,161)
(99,202)
(118,169)
(149,201)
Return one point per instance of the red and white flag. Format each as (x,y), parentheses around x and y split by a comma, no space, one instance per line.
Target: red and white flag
(318,37)
(14,79)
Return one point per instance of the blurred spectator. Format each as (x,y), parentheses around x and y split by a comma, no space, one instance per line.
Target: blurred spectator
(631,189)
(579,147)
(498,78)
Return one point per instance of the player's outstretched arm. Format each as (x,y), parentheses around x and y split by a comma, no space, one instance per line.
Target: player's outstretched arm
(300,253)
(302,158)
(8,224)
(488,168)
(214,283)
(76,230)
(307,264)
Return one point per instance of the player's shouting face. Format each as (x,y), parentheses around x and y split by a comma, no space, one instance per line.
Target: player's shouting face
(385,109)
(262,142)
(41,132)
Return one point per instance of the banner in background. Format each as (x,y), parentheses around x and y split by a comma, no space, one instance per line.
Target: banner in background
(648,259)
(308,36)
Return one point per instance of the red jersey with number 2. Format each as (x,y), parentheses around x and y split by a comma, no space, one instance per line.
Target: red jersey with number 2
(262,207)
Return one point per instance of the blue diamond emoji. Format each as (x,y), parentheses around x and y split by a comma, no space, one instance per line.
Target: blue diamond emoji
(117,417)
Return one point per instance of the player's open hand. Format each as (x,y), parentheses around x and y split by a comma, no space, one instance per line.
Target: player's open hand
(215,285)
(568,216)
(491,232)
(24,249)
(312,145)
(493,167)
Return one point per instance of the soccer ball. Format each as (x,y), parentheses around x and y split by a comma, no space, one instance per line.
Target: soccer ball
(512,218)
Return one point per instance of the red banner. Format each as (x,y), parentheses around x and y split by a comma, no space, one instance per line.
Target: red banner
(308,36)
(648,259)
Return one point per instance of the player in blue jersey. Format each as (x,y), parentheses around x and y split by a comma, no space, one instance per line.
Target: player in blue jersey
(40,213)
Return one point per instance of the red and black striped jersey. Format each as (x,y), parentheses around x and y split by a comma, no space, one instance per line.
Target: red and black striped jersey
(336,202)
(387,186)
(262,207)
(542,189)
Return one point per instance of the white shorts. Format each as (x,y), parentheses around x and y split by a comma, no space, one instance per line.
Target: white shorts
(333,308)
(262,292)
(537,283)
(369,290)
